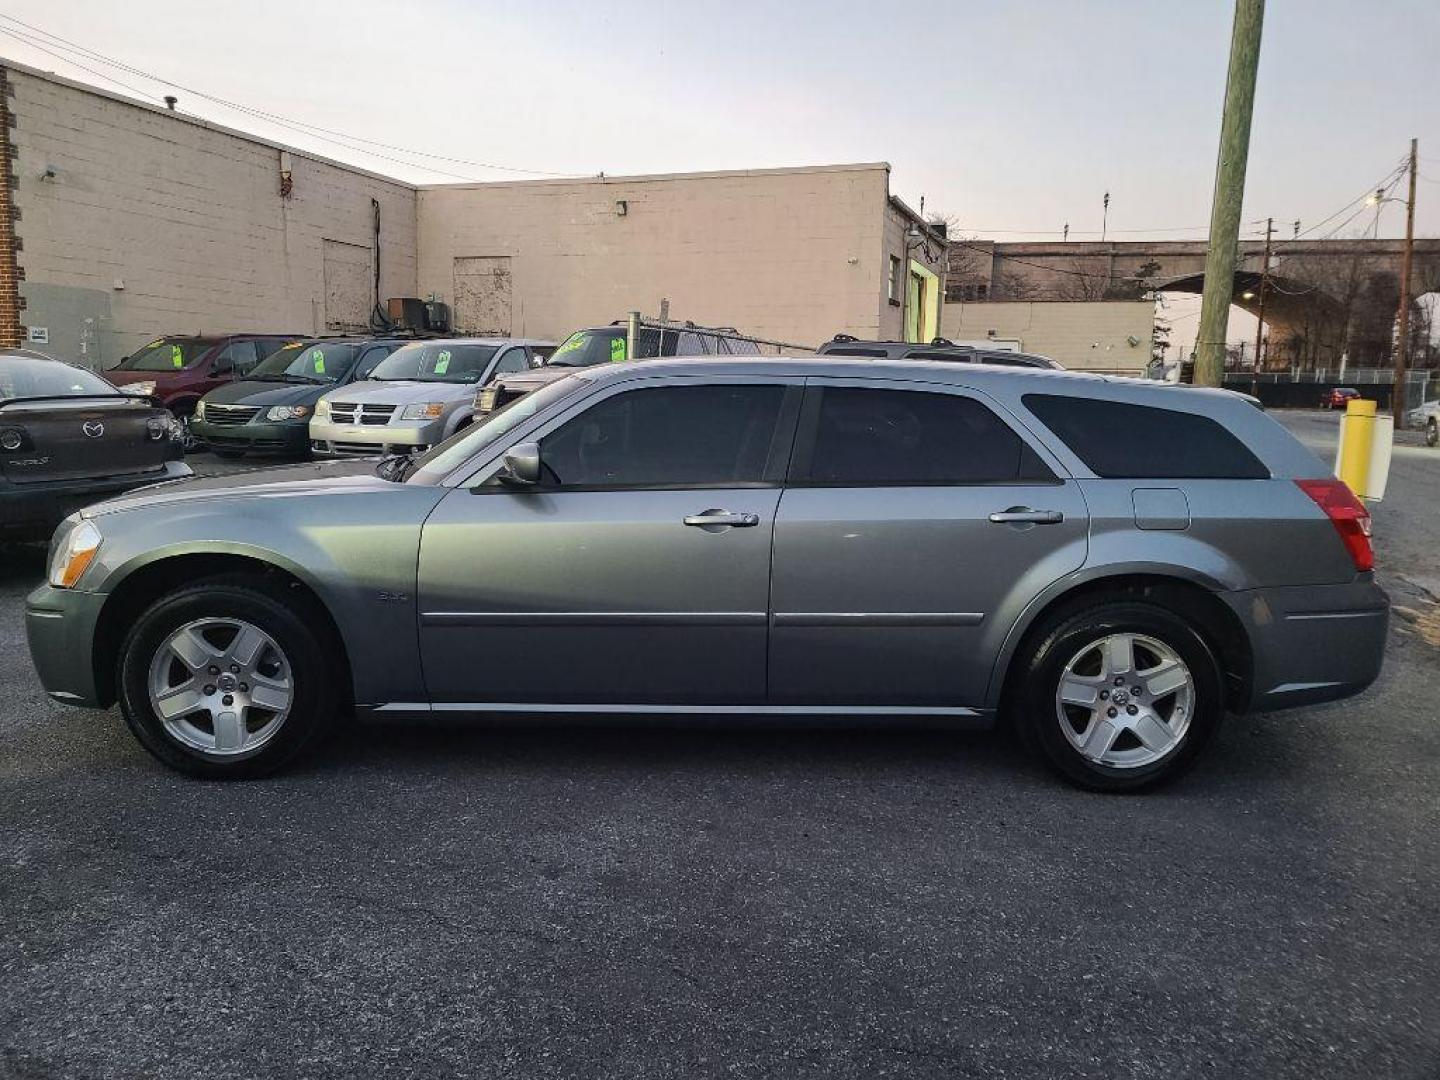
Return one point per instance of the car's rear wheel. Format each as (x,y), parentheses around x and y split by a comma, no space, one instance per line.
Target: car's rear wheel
(1432,432)
(1120,696)
(226,679)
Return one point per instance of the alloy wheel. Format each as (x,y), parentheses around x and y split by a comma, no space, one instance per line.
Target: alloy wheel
(221,686)
(1125,701)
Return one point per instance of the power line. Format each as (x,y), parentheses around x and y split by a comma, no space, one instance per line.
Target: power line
(313,130)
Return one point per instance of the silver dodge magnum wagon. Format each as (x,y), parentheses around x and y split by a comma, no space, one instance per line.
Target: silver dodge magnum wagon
(1109,565)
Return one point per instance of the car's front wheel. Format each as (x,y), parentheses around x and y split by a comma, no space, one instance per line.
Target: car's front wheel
(1432,432)
(1119,696)
(226,678)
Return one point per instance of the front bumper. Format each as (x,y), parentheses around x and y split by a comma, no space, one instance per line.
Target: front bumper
(350,440)
(60,628)
(31,511)
(1312,643)
(263,437)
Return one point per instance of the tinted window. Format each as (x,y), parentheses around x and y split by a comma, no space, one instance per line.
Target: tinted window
(865,437)
(852,350)
(666,436)
(512,360)
(1137,441)
(951,355)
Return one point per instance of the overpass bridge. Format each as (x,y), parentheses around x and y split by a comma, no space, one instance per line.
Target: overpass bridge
(1323,298)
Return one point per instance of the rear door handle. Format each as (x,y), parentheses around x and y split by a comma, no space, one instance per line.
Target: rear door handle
(722,519)
(1023,515)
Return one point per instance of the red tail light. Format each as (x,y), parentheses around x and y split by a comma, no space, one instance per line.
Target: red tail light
(1347,514)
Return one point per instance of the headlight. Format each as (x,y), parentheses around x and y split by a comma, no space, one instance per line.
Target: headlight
(157,427)
(287,412)
(423,410)
(142,389)
(322,408)
(73,552)
(200,410)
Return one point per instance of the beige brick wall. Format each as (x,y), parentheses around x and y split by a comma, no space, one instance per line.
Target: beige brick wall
(188,215)
(785,253)
(1083,336)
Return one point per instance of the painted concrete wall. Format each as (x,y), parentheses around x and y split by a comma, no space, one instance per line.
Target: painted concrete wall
(791,254)
(187,217)
(1084,336)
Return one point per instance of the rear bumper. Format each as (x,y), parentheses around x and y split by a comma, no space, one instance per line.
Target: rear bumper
(60,628)
(31,511)
(1312,643)
(261,438)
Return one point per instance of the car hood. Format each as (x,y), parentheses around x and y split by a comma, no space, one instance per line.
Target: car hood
(538,377)
(256,392)
(402,393)
(286,481)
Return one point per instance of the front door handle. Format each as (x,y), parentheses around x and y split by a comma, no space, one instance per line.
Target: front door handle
(1023,515)
(722,519)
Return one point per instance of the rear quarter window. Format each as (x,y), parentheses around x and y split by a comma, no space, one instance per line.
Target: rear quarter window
(1118,440)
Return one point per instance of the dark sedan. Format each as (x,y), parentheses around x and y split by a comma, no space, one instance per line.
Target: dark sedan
(269,410)
(69,438)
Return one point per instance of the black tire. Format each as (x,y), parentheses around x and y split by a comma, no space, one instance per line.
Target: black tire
(1432,432)
(1068,632)
(287,616)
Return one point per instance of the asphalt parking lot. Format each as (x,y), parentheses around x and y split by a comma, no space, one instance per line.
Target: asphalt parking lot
(681,903)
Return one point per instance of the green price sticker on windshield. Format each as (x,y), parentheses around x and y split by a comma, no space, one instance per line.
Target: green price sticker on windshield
(442,362)
(617,348)
(176,356)
(318,356)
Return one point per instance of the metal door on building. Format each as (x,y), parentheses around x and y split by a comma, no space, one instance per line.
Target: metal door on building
(482,295)
(348,286)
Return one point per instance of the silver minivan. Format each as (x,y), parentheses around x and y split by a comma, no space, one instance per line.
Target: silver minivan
(418,396)
(1108,565)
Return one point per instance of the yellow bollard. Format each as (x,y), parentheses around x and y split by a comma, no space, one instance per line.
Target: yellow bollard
(1357,437)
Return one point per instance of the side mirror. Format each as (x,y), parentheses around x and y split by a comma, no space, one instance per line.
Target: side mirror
(522,466)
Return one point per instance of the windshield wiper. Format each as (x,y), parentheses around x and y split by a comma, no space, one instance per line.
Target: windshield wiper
(396,467)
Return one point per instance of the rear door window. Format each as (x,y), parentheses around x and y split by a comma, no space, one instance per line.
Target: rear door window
(1118,440)
(867,437)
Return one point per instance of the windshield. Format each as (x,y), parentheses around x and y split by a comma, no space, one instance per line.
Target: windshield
(435,464)
(304,361)
(586,347)
(23,377)
(167,354)
(435,361)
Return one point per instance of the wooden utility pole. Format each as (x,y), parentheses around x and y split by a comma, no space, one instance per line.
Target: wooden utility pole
(1402,348)
(1220,259)
(1264,281)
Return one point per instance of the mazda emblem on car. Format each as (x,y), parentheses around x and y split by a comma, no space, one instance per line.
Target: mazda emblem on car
(93,428)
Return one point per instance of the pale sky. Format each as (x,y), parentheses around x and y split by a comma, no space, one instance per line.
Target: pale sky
(1008,116)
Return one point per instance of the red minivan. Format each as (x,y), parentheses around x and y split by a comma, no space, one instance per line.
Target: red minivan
(180,370)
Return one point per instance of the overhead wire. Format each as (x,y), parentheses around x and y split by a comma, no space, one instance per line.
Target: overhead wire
(47,41)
